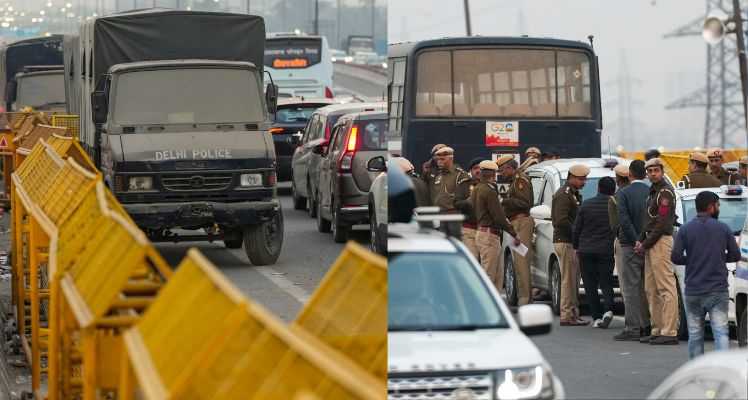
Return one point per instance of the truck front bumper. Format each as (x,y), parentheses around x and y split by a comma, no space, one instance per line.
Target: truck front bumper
(202,213)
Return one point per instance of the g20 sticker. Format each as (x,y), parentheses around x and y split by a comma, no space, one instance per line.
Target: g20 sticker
(502,133)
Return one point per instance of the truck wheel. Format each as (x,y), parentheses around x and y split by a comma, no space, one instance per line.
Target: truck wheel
(311,202)
(339,230)
(263,242)
(299,202)
(743,328)
(323,225)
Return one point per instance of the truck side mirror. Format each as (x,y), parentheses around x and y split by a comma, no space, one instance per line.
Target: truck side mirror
(271,97)
(99,106)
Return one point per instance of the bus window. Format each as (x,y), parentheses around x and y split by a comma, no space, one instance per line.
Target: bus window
(397,93)
(434,89)
(574,98)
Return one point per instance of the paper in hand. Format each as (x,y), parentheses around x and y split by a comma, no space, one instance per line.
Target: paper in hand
(521,249)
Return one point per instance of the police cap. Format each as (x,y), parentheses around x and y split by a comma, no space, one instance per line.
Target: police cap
(715,152)
(697,156)
(534,150)
(579,170)
(445,151)
(654,162)
(488,165)
(621,170)
(504,159)
(405,165)
(437,147)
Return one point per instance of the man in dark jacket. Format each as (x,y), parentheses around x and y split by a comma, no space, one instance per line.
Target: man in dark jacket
(464,204)
(593,241)
(632,206)
(704,245)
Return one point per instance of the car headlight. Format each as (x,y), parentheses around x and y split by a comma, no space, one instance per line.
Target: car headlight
(249,180)
(524,383)
(140,183)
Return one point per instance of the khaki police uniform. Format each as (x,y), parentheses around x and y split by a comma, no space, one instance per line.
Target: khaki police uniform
(657,240)
(699,178)
(517,205)
(463,203)
(442,184)
(564,208)
(740,178)
(491,222)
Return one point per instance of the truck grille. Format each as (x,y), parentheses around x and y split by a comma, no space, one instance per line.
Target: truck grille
(198,182)
(438,387)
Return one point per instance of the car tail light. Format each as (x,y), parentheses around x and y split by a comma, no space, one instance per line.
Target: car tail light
(328,93)
(351,147)
(276,130)
(272,178)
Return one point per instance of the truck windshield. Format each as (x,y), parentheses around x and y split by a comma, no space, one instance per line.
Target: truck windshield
(40,90)
(187,96)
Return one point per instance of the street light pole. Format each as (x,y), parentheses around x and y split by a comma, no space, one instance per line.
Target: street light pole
(740,32)
(468,28)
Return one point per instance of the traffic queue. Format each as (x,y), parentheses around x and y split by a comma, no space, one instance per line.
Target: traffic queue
(621,237)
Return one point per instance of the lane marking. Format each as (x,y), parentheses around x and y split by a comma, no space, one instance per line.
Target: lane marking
(286,285)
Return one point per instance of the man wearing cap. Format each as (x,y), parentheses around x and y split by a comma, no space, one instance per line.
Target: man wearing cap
(656,242)
(430,164)
(741,178)
(491,222)
(443,181)
(464,204)
(651,153)
(419,187)
(517,205)
(532,157)
(564,209)
(715,166)
(697,176)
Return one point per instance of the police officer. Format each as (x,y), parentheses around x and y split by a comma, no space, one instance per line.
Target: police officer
(564,209)
(464,204)
(430,164)
(741,178)
(656,243)
(715,166)
(517,205)
(419,187)
(697,176)
(532,157)
(491,222)
(443,181)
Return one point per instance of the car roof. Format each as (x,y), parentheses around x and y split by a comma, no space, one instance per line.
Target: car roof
(561,167)
(409,238)
(366,115)
(689,194)
(299,101)
(348,108)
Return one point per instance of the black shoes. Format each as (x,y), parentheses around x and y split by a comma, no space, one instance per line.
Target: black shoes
(627,336)
(664,340)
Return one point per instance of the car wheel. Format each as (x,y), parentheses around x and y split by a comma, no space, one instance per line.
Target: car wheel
(311,204)
(743,328)
(323,225)
(510,280)
(555,287)
(339,230)
(263,242)
(299,202)
(682,323)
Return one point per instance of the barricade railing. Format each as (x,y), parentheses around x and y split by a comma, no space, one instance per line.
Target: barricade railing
(100,313)
(70,122)
(348,311)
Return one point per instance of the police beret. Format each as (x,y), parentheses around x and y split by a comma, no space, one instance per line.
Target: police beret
(474,162)
(404,164)
(437,147)
(504,159)
(532,150)
(700,157)
(621,170)
(653,162)
(715,152)
(489,165)
(446,150)
(744,161)
(579,170)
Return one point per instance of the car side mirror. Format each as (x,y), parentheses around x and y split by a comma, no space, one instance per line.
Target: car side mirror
(99,106)
(376,164)
(271,97)
(542,211)
(535,319)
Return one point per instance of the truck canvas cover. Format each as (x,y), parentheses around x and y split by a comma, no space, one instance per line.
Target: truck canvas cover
(157,34)
(71,51)
(37,51)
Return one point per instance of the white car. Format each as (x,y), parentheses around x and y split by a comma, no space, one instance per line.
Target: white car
(715,375)
(546,178)
(451,336)
(733,211)
(741,288)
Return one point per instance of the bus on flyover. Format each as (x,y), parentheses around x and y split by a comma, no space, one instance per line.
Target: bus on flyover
(489,96)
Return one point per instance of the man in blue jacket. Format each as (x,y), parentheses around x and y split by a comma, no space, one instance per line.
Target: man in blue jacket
(632,205)
(704,246)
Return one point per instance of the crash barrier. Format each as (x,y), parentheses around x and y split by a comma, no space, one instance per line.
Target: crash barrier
(99,310)
(348,311)
(71,122)
(237,348)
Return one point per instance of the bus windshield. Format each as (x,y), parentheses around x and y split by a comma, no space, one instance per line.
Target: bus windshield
(503,82)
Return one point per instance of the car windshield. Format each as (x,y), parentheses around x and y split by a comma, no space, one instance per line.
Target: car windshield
(212,96)
(294,114)
(41,90)
(438,291)
(731,211)
(590,188)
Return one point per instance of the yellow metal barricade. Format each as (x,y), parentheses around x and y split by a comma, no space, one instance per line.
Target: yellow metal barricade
(348,311)
(676,165)
(71,122)
(237,349)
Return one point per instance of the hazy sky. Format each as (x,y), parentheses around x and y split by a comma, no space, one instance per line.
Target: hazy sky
(630,30)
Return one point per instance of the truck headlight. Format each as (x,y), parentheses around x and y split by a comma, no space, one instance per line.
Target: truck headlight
(525,383)
(249,180)
(140,183)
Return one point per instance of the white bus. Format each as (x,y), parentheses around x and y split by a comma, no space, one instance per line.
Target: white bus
(300,64)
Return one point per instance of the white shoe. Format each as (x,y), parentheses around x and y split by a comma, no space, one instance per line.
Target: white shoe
(607,318)
(598,323)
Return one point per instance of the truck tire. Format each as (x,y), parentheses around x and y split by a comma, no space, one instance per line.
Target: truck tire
(299,202)
(263,242)
(743,328)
